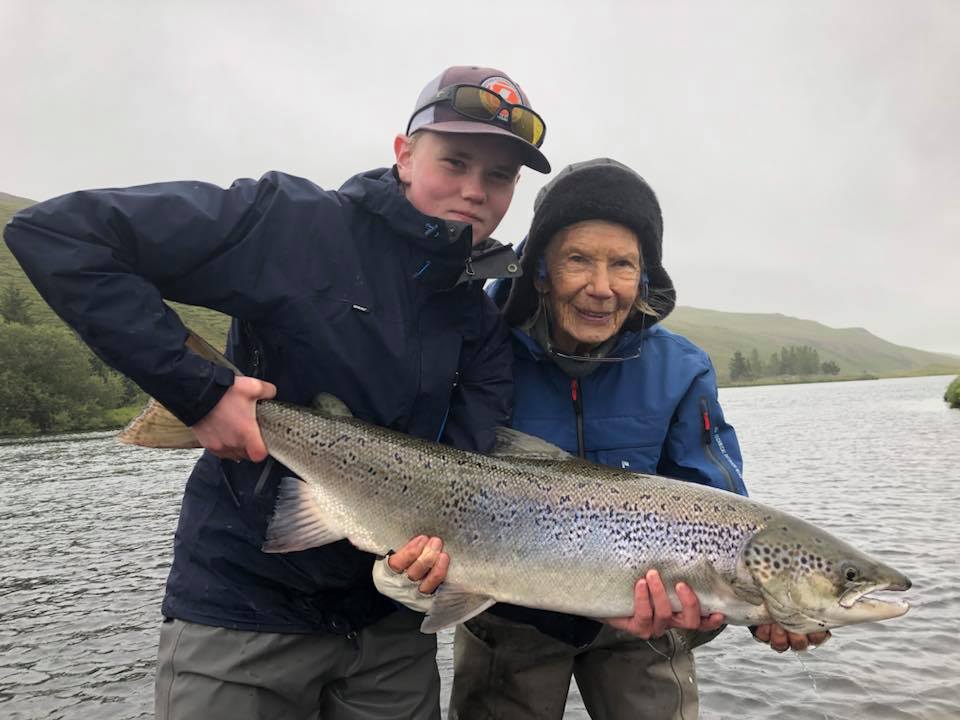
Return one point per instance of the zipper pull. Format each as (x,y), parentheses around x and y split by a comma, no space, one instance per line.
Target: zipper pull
(575,394)
(705,415)
(578,411)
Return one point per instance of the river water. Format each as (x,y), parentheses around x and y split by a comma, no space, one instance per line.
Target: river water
(86,527)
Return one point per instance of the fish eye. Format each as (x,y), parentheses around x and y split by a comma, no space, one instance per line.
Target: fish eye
(851,573)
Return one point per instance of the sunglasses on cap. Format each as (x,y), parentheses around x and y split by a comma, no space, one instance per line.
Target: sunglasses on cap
(478,103)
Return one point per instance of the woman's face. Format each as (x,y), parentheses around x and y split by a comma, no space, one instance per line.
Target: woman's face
(469,178)
(593,276)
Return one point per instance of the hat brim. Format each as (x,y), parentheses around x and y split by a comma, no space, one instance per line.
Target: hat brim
(532,157)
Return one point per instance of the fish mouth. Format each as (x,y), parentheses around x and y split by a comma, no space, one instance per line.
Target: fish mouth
(860,600)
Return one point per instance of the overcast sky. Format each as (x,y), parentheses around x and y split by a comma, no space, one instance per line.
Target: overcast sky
(806,154)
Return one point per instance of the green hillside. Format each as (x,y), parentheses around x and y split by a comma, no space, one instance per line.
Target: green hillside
(855,350)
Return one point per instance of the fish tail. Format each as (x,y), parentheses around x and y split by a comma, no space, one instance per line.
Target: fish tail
(157,427)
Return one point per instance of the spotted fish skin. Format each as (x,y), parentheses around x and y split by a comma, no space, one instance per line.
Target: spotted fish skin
(569,535)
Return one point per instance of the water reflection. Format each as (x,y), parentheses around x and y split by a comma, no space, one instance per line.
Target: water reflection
(87,527)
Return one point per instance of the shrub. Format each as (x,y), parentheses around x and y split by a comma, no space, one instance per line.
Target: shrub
(952,395)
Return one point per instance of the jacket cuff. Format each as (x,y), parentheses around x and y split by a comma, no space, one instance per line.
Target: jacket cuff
(218,382)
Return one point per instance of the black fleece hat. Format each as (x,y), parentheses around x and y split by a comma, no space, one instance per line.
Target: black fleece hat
(600,189)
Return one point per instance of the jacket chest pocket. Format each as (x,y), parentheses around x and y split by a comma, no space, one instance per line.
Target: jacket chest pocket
(640,459)
(629,443)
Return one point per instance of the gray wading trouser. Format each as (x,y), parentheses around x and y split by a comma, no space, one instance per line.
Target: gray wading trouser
(388,670)
(505,671)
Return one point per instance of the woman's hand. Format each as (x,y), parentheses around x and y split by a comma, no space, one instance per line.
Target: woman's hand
(781,639)
(653,614)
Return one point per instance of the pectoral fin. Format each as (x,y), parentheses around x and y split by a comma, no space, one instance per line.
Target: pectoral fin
(297,522)
(452,606)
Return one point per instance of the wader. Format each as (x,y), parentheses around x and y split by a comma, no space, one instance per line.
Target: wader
(505,670)
(387,671)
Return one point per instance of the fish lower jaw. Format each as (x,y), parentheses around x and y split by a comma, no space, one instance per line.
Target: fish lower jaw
(872,609)
(863,610)
(863,604)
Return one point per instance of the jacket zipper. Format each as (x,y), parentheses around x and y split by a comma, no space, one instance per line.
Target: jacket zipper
(577,397)
(446,413)
(253,346)
(708,445)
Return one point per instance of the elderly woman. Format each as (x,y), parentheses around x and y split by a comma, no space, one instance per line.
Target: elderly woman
(596,374)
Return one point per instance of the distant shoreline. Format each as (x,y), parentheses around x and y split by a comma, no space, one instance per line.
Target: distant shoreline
(807,380)
(120,414)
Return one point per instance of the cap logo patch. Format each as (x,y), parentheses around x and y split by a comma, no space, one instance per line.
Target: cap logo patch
(505,89)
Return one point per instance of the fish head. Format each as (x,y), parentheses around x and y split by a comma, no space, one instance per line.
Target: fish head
(812,581)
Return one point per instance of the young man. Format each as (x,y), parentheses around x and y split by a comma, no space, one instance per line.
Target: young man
(372,293)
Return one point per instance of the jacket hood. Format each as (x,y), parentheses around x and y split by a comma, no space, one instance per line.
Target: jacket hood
(599,189)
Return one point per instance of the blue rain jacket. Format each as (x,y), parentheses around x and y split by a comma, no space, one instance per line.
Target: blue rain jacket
(351,292)
(656,413)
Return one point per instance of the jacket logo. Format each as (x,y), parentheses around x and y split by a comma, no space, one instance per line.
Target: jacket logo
(430,229)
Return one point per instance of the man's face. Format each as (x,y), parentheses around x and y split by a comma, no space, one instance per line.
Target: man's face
(469,178)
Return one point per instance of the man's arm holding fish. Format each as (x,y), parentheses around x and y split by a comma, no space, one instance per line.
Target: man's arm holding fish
(230,431)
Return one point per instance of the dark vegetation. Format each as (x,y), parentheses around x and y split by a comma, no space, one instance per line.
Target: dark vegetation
(952,395)
(790,361)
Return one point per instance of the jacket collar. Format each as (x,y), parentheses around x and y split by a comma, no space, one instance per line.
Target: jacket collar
(627,344)
(443,248)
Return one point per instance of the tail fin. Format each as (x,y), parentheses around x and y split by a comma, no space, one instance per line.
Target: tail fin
(157,427)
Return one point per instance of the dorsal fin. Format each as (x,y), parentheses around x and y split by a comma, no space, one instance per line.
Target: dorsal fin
(515,444)
(208,352)
(330,405)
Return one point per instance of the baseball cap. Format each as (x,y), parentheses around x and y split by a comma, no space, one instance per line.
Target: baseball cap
(443,107)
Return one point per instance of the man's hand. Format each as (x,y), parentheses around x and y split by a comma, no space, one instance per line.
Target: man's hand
(411,574)
(653,615)
(423,561)
(781,639)
(230,430)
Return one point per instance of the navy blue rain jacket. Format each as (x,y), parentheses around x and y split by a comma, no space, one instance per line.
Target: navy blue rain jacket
(353,293)
(656,412)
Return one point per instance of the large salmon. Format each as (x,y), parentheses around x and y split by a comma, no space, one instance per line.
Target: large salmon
(534,526)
